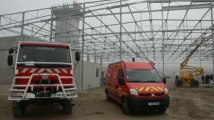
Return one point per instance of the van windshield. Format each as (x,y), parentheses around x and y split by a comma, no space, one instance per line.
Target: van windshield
(44,54)
(141,75)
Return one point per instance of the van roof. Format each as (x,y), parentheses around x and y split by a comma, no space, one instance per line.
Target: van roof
(138,65)
(44,44)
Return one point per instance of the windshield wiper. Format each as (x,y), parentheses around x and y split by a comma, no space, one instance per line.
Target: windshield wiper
(135,81)
(152,81)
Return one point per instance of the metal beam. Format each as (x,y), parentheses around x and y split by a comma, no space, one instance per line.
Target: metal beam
(186,7)
(168,1)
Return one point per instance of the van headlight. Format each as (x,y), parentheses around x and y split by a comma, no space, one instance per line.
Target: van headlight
(166,91)
(133,92)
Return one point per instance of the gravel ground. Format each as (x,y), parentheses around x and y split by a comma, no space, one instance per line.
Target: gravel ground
(185,104)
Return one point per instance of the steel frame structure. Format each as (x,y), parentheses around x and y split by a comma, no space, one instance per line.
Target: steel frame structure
(113,30)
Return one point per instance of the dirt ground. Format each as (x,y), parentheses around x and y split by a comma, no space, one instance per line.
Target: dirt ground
(185,104)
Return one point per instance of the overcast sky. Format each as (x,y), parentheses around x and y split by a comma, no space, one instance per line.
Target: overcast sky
(11,6)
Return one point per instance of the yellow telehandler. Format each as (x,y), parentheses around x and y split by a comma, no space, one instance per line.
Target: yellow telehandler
(188,73)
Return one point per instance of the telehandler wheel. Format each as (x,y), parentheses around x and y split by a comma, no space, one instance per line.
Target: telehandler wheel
(179,83)
(18,109)
(67,106)
(194,83)
(125,107)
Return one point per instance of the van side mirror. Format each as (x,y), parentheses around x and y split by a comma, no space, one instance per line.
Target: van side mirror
(77,56)
(121,81)
(10,60)
(121,78)
(164,80)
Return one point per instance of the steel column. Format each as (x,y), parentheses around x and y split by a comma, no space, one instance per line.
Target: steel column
(120,30)
(83,46)
(22,26)
(51,29)
(0,20)
(211,2)
(163,35)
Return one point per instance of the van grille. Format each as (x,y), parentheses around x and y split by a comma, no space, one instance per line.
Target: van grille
(151,94)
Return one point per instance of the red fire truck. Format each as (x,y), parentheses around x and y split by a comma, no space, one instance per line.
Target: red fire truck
(43,74)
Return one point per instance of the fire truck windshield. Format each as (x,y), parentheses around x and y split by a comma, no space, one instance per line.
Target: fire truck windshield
(44,54)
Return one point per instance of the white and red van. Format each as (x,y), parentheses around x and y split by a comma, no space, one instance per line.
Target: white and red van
(136,86)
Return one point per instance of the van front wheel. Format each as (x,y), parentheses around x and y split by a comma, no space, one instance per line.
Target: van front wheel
(162,110)
(125,108)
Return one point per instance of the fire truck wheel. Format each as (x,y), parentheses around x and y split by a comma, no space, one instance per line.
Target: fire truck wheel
(108,98)
(18,109)
(67,106)
(125,108)
(194,83)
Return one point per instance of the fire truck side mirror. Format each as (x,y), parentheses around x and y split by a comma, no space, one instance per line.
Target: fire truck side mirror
(10,60)
(164,80)
(77,56)
(11,51)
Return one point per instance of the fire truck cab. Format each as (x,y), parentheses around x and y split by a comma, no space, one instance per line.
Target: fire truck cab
(43,74)
(136,86)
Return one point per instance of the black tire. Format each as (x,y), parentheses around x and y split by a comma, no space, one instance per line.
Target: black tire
(176,77)
(18,109)
(194,83)
(125,107)
(108,98)
(179,83)
(67,107)
(162,110)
